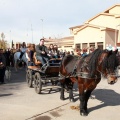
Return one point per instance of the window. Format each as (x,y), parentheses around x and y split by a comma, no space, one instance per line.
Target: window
(77,46)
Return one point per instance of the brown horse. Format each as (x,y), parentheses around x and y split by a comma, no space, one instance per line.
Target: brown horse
(87,72)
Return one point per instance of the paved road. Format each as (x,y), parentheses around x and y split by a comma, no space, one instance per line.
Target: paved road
(19,102)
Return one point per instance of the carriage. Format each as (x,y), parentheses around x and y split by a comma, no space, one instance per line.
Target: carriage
(46,75)
(86,71)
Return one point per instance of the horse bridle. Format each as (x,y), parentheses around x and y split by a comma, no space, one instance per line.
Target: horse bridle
(107,71)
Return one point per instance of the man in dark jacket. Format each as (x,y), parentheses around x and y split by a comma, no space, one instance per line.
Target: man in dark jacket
(41,52)
(2,66)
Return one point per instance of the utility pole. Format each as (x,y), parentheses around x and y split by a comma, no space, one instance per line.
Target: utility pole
(10,40)
(32,32)
(42,28)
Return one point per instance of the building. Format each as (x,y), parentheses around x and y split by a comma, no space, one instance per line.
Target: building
(66,43)
(102,30)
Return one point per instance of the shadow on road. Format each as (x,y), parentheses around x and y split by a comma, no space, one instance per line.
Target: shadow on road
(43,118)
(107,98)
(15,82)
(4,95)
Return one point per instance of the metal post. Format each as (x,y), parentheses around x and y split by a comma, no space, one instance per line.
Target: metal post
(10,39)
(42,27)
(32,32)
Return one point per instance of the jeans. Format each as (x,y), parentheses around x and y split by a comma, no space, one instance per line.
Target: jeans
(31,63)
(42,59)
(21,54)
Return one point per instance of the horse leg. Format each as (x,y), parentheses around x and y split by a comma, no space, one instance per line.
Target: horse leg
(83,111)
(71,98)
(62,90)
(87,95)
(70,87)
(15,66)
(83,101)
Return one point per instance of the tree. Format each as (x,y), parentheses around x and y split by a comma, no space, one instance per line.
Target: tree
(2,36)
(3,43)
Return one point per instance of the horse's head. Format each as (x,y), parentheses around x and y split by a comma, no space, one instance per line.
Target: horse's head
(107,65)
(104,62)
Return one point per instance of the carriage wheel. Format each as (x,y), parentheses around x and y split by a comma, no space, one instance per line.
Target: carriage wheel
(37,83)
(29,78)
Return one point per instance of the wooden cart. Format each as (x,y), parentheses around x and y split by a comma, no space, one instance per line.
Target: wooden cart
(38,77)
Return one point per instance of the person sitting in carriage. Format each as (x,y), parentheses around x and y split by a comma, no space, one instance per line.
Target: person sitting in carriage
(53,51)
(56,52)
(42,52)
(23,49)
(30,54)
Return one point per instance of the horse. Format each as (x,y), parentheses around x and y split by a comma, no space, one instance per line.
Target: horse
(87,71)
(17,61)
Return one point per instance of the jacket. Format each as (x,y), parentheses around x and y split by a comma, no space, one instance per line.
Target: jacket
(39,50)
(3,59)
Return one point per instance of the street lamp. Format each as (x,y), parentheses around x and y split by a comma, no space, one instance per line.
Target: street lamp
(32,32)
(42,27)
(10,40)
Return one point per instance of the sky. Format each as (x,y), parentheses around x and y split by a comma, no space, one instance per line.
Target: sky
(29,20)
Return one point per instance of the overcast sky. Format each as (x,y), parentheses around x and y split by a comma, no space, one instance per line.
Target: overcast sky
(28,20)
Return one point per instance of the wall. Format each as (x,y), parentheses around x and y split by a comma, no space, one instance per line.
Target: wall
(89,35)
(110,38)
(106,21)
(115,10)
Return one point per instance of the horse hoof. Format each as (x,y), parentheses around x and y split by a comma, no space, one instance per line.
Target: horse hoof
(72,100)
(62,98)
(83,114)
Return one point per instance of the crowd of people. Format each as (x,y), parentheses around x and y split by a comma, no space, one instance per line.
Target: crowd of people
(43,54)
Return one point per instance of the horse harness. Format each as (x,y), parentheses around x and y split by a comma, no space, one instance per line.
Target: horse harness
(81,73)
